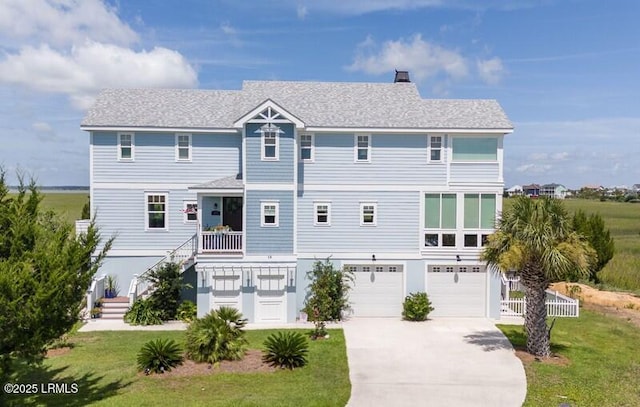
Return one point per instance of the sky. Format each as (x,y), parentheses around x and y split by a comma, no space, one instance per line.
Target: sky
(566,72)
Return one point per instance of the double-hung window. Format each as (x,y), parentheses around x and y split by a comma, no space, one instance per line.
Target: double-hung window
(440,220)
(269,214)
(156,212)
(183,147)
(125,146)
(435,148)
(363,148)
(270,135)
(368,214)
(190,211)
(322,214)
(306,147)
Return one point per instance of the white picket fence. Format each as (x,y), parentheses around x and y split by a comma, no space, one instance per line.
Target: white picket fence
(557,304)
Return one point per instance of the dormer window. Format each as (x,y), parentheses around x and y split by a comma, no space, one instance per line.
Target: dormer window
(270,135)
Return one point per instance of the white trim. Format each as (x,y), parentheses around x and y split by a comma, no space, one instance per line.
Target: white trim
(276,205)
(356,148)
(389,130)
(501,158)
(295,188)
(219,191)
(92,208)
(248,117)
(312,148)
(133,145)
(160,129)
(244,155)
(189,148)
(147,194)
(316,204)
(269,187)
(185,217)
(375,213)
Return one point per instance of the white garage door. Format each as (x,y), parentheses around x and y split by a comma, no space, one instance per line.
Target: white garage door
(271,297)
(225,288)
(377,290)
(457,291)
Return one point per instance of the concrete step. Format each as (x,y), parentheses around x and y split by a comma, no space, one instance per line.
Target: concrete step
(106,305)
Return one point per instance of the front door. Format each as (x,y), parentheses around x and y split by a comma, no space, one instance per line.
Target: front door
(232,212)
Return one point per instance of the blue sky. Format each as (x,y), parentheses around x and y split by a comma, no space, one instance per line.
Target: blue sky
(566,71)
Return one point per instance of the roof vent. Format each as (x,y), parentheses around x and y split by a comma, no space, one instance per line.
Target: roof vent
(401,76)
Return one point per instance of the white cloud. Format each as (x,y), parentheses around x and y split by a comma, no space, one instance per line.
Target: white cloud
(87,68)
(560,156)
(490,70)
(422,58)
(227,28)
(302,11)
(534,168)
(63,22)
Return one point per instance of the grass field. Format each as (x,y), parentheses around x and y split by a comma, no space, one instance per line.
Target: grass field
(68,205)
(600,365)
(103,365)
(623,220)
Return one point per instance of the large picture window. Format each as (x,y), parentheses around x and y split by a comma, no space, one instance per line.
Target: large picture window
(156,211)
(479,211)
(474,148)
(440,220)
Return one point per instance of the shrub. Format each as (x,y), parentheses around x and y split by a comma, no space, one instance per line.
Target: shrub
(286,350)
(159,355)
(187,311)
(167,284)
(328,294)
(416,307)
(217,336)
(143,313)
(593,229)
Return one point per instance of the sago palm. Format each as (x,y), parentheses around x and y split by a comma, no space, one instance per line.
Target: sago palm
(535,239)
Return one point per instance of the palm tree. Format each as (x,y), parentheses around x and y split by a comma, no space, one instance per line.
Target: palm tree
(535,238)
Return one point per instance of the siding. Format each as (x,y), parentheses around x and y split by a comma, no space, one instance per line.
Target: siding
(259,171)
(121,212)
(213,156)
(269,240)
(475,172)
(395,159)
(397,227)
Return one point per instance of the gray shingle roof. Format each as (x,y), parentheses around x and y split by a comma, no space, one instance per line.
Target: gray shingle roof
(231,182)
(317,104)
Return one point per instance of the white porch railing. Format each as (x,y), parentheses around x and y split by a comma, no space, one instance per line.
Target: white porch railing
(561,306)
(221,242)
(183,254)
(95,292)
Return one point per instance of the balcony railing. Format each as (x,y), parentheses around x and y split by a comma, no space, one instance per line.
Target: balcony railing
(221,242)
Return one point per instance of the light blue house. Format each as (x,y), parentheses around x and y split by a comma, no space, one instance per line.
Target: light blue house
(256,184)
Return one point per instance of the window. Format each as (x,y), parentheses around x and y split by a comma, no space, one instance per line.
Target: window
(363,144)
(190,209)
(393,269)
(269,214)
(440,220)
(479,211)
(475,148)
(125,146)
(435,148)
(306,147)
(471,240)
(156,212)
(368,214)
(448,239)
(379,269)
(322,214)
(183,147)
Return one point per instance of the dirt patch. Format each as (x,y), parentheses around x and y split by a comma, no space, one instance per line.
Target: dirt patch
(251,363)
(618,304)
(528,359)
(52,353)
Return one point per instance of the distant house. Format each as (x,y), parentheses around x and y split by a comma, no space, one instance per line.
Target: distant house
(514,190)
(557,191)
(532,191)
(635,188)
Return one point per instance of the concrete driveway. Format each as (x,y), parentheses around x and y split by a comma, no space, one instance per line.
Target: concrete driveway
(442,362)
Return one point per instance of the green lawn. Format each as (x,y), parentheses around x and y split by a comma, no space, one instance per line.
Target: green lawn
(103,364)
(67,205)
(623,220)
(603,369)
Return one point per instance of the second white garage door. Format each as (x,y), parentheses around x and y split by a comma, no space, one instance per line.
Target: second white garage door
(457,291)
(377,290)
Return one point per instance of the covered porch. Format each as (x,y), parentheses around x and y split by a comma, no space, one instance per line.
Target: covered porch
(220,216)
